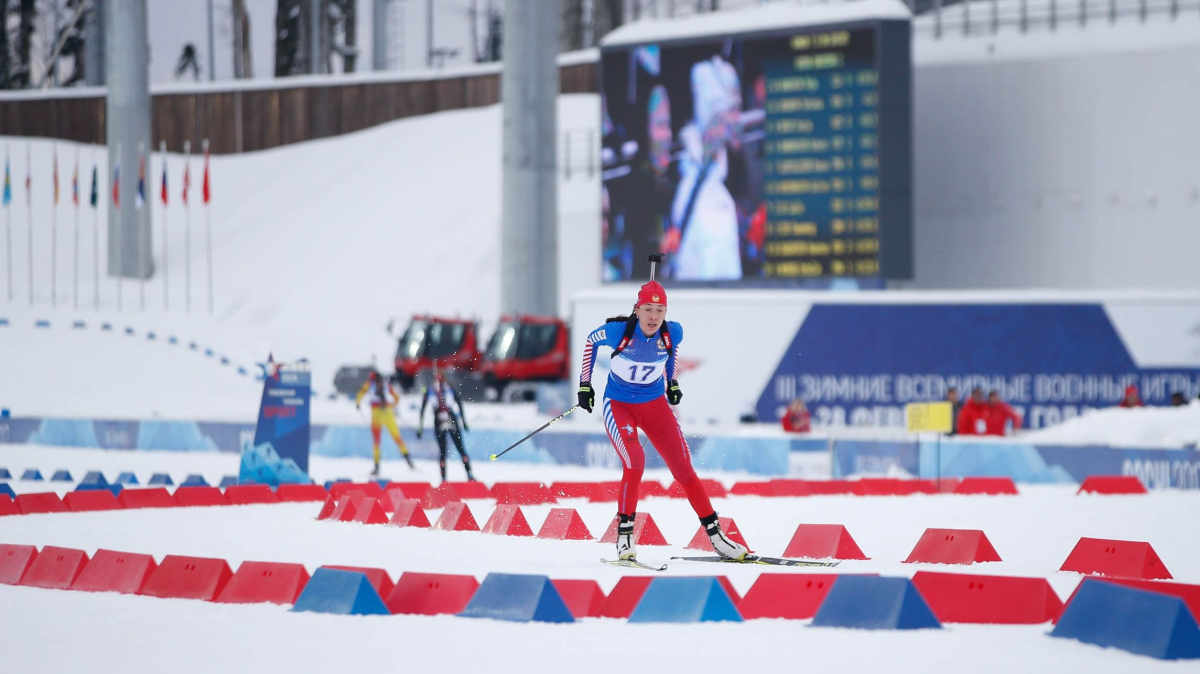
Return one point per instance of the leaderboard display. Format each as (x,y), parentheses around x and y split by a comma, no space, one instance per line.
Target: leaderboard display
(770,159)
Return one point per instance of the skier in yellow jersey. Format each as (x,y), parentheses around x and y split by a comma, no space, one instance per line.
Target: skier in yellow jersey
(384,399)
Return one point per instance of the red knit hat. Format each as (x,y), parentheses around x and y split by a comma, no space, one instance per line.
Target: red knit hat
(652,293)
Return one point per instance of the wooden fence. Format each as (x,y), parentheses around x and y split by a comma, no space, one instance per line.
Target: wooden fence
(259,119)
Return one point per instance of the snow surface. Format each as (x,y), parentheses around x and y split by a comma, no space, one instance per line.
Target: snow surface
(1163,427)
(1033,532)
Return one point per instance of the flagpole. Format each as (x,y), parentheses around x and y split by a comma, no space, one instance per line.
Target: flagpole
(187,225)
(29,213)
(8,220)
(54,238)
(120,231)
(75,198)
(94,200)
(140,234)
(162,148)
(208,224)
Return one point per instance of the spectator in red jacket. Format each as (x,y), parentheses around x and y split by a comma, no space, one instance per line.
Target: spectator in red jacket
(973,417)
(1000,414)
(797,419)
(1132,397)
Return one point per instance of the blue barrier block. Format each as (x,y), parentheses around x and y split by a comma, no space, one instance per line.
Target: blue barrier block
(192,346)
(330,483)
(521,598)
(242,371)
(685,600)
(875,603)
(228,481)
(151,336)
(41,324)
(4,322)
(79,325)
(106,327)
(160,479)
(172,340)
(114,488)
(1134,620)
(383,484)
(129,331)
(224,360)
(62,476)
(7,490)
(94,477)
(194,480)
(4,474)
(126,478)
(66,433)
(340,592)
(32,475)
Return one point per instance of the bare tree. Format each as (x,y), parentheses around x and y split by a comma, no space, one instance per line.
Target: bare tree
(243,64)
(289,32)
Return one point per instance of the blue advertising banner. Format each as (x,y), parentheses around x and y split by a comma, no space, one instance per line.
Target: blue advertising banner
(283,414)
(860,364)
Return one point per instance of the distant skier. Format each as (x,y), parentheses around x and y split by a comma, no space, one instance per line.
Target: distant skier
(384,399)
(445,421)
(640,385)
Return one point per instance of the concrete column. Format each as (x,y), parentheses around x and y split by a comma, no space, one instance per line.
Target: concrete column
(127,124)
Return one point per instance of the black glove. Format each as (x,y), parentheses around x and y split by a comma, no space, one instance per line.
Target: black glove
(418,434)
(587,396)
(674,393)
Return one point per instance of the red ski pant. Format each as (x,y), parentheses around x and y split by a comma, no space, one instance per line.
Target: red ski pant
(657,420)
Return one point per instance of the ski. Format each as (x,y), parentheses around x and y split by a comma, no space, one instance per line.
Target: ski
(633,564)
(755,559)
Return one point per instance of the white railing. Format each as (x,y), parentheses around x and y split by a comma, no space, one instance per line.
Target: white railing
(938,18)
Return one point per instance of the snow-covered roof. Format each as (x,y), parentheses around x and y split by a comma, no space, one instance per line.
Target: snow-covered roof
(772,16)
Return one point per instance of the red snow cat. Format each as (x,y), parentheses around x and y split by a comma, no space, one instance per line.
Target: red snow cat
(451,344)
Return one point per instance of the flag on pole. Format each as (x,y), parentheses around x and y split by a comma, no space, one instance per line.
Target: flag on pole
(28,177)
(75,184)
(117,182)
(164,181)
(140,199)
(95,196)
(7,180)
(56,176)
(187,180)
(205,188)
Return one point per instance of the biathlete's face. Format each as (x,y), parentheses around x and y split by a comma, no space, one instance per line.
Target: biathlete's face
(651,317)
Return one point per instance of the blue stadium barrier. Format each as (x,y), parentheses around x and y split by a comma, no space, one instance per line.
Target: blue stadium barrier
(129,331)
(65,433)
(4,474)
(5,489)
(194,480)
(114,488)
(41,324)
(172,340)
(341,593)
(520,598)
(126,478)
(62,476)
(4,322)
(330,483)
(1131,619)
(106,327)
(685,600)
(32,475)
(160,479)
(150,336)
(875,603)
(94,477)
(173,435)
(79,325)
(228,481)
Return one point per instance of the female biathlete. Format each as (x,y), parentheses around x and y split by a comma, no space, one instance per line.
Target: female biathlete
(642,380)
(383,400)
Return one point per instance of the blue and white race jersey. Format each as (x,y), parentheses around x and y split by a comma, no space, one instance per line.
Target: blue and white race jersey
(638,374)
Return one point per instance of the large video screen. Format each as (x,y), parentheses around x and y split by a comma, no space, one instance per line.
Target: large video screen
(770,159)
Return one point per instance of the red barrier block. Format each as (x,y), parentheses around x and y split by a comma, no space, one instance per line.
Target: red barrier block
(782,486)
(953,546)
(431,593)
(301,493)
(574,489)
(415,490)
(112,571)
(327,509)
(193,496)
(830,487)
(607,492)
(1112,484)
(346,508)
(440,497)
(379,579)
(582,597)
(183,577)
(41,502)
(624,597)
(264,582)
(1104,557)
(645,531)
(823,541)
(522,493)
(986,485)
(456,517)
(154,497)
(250,494)
(368,510)
(729,589)
(91,500)
(970,598)
(339,489)
(890,486)
(409,513)
(650,489)
(564,524)
(15,561)
(471,490)
(1190,594)
(786,595)
(507,520)
(713,488)
(700,540)
(7,507)
(948,485)
(752,489)
(55,568)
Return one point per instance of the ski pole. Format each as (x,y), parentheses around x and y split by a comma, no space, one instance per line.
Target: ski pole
(546,425)
(655,260)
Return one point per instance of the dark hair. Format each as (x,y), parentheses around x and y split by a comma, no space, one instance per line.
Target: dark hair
(621,319)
